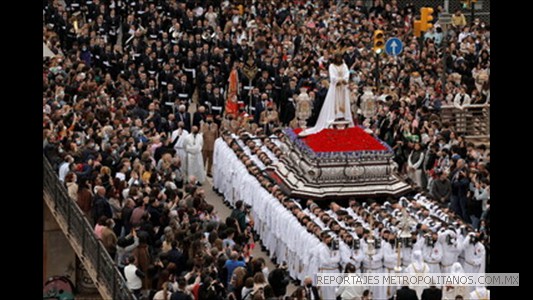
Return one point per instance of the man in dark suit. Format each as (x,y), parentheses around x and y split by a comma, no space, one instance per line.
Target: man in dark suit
(405,293)
(260,106)
(278,280)
(199,116)
(432,293)
(184,116)
(311,292)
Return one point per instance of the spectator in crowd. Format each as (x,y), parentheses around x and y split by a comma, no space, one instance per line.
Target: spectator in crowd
(109,239)
(432,293)
(101,207)
(133,277)
(111,108)
(232,263)
(441,188)
(458,19)
(406,293)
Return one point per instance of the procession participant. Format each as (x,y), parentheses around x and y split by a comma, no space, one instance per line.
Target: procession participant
(328,259)
(474,252)
(209,131)
(419,268)
(193,146)
(432,252)
(450,248)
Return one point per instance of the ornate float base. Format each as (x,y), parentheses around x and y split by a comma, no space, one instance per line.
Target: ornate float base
(337,163)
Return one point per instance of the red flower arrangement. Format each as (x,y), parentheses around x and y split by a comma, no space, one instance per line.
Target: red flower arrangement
(347,140)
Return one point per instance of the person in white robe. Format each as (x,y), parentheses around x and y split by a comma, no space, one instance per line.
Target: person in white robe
(178,138)
(390,260)
(480,293)
(419,268)
(193,146)
(373,263)
(329,260)
(218,163)
(450,250)
(432,252)
(450,292)
(407,251)
(474,252)
(347,292)
(351,252)
(337,102)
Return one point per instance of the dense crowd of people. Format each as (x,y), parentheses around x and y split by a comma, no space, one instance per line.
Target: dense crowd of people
(138,92)
(361,238)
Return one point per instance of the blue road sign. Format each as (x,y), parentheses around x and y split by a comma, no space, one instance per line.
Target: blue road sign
(393,46)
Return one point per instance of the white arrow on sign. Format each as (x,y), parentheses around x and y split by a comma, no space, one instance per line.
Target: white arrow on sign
(393,45)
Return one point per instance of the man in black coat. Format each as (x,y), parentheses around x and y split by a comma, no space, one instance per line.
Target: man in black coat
(278,280)
(311,292)
(432,293)
(405,293)
(101,206)
(183,116)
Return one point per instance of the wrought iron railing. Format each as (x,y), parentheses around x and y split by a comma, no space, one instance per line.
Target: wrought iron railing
(79,232)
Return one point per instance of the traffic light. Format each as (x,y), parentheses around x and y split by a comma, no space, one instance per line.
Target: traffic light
(379,41)
(416,28)
(425,18)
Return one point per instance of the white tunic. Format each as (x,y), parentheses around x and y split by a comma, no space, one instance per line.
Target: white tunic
(432,256)
(418,269)
(195,164)
(180,134)
(450,254)
(474,257)
(337,101)
(480,294)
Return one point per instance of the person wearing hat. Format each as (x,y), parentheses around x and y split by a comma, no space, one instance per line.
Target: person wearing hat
(209,130)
